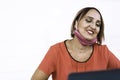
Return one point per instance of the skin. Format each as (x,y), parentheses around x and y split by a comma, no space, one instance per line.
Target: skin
(88,27)
(90,24)
(39,75)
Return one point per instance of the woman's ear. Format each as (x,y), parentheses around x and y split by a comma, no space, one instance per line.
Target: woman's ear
(76,24)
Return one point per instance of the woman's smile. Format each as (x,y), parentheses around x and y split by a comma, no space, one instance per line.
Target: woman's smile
(90,32)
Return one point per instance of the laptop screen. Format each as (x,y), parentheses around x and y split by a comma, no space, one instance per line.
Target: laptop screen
(96,75)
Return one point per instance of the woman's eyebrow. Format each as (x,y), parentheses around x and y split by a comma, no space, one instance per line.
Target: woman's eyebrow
(92,18)
(89,17)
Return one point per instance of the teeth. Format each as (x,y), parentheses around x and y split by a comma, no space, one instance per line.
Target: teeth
(90,32)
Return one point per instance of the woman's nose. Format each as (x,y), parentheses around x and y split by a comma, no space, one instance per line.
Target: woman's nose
(93,25)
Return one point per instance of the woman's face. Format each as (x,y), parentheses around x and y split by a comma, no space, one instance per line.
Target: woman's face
(89,25)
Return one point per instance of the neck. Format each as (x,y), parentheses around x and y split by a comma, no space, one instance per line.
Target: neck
(77,45)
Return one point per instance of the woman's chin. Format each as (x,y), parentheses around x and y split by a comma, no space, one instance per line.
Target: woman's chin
(89,38)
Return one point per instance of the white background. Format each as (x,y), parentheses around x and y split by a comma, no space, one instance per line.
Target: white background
(29,27)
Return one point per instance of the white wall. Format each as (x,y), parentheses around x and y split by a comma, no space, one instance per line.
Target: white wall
(29,27)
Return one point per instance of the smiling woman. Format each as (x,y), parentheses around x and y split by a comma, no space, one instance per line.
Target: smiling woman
(88,26)
(84,52)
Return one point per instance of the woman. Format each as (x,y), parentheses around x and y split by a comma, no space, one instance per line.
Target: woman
(84,52)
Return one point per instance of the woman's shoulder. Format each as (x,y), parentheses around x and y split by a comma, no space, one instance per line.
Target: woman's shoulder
(59,44)
(100,46)
(102,50)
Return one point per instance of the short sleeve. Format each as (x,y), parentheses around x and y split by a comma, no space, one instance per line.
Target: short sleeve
(113,61)
(48,63)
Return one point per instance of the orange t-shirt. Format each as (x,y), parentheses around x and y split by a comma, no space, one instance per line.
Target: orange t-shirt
(60,63)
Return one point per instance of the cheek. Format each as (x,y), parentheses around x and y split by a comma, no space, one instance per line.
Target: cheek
(97,30)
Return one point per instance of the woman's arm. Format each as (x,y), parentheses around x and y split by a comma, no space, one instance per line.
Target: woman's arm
(39,75)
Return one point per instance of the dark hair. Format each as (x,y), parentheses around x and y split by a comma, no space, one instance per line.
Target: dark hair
(80,15)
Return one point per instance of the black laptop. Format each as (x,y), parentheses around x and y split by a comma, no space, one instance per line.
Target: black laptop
(96,75)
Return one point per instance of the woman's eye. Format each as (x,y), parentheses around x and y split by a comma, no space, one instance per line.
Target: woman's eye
(98,24)
(88,20)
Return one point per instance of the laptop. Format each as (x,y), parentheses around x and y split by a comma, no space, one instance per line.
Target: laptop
(96,75)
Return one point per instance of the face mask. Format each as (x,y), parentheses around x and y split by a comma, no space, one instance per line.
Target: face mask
(82,40)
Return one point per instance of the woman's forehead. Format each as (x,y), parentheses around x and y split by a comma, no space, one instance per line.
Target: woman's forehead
(94,14)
